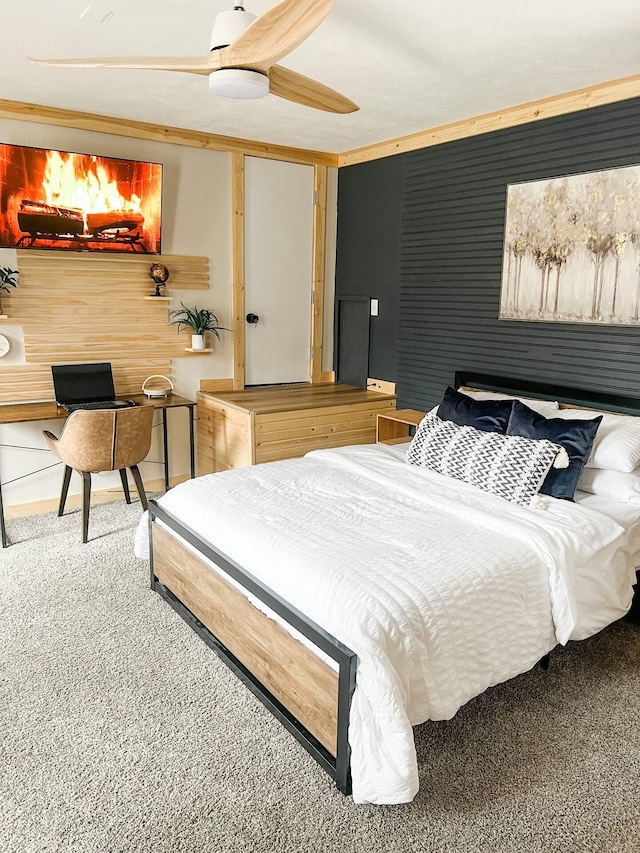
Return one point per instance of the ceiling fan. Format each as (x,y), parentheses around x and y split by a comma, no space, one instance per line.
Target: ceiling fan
(243,56)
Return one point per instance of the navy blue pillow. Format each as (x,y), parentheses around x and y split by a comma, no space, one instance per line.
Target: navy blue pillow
(575,436)
(487,415)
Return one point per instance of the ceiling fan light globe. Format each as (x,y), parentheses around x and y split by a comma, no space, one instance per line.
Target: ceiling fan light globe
(228,26)
(239,83)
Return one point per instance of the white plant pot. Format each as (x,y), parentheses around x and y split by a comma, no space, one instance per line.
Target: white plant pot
(197,342)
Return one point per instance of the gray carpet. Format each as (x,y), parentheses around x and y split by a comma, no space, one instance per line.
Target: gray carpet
(121,732)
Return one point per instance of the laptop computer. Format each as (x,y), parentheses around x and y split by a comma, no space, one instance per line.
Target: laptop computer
(85,386)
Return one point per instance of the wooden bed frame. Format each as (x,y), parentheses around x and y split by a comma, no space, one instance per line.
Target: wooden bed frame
(311,698)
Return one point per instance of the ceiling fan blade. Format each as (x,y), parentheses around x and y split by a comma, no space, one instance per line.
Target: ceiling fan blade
(275,33)
(292,86)
(188,64)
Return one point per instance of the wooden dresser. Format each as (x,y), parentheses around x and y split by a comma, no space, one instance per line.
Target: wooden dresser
(240,428)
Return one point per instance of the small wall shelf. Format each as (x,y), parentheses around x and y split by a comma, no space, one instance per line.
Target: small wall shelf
(207,349)
(158,298)
(4,316)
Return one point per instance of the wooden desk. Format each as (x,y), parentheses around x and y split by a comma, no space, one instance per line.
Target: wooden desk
(20,413)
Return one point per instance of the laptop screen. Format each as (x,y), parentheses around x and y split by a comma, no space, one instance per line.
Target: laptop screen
(82,383)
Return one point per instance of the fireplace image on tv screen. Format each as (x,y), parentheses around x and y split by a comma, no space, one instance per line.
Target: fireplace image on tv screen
(59,200)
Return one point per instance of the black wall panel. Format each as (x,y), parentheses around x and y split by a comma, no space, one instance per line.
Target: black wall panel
(368,251)
(352,341)
(449,227)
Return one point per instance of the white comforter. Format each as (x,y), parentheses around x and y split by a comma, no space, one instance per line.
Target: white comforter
(441,590)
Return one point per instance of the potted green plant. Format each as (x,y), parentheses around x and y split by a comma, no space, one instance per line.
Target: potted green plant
(7,280)
(199,320)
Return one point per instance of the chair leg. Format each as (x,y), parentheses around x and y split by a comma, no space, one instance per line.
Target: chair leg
(125,485)
(139,486)
(86,498)
(65,489)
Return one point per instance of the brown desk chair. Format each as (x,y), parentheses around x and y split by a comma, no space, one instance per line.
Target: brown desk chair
(102,440)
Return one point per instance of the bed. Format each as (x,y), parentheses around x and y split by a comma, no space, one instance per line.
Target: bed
(358,596)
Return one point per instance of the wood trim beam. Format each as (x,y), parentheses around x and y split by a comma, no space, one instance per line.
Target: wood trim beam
(21,111)
(557,105)
(213,386)
(319,249)
(237,229)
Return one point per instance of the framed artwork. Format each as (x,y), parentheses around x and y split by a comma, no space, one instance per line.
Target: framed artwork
(572,249)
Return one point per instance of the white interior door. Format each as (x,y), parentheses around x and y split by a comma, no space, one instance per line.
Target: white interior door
(278,239)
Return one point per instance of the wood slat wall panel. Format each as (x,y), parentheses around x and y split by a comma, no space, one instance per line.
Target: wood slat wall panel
(89,307)
(117,271)
(451,260)
(449,235)
(22,383)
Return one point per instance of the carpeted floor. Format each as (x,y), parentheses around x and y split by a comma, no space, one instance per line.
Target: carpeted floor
(121,732)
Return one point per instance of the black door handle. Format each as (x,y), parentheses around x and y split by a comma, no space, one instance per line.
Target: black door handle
(253,319)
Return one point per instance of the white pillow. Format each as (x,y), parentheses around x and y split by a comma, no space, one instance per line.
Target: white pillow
(548,408)
(617,442)
(616,485)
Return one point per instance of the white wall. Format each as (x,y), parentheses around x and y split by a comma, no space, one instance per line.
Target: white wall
(196,220)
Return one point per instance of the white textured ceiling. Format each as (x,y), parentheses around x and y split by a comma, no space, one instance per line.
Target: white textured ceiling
(409,65)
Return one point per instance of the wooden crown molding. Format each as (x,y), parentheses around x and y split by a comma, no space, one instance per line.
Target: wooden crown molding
(41,114)
(557,105)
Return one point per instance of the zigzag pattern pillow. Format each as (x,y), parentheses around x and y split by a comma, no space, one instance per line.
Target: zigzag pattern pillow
(511,467)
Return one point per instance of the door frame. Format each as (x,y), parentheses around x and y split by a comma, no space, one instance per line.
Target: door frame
(238,271)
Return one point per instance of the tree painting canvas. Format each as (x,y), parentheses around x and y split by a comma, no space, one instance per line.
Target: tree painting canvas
(572,249)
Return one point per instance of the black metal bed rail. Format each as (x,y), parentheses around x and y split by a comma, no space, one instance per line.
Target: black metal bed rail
(339,768)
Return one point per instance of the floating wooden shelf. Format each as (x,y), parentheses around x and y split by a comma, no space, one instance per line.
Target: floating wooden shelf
(159,298)
(4,316)
(190,349)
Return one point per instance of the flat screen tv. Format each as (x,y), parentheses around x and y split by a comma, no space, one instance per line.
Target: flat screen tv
(60,200)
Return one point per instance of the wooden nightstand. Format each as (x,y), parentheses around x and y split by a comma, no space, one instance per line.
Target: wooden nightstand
(395,427)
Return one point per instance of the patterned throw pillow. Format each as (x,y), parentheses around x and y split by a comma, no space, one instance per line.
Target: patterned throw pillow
(511,467)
